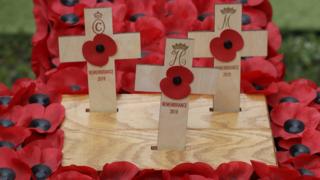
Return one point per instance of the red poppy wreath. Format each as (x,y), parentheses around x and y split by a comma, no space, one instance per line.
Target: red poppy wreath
(177,83)
(225,47)
(98,51)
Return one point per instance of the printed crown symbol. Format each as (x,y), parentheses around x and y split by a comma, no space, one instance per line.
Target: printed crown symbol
(180,46)
(98,15)
(228,10)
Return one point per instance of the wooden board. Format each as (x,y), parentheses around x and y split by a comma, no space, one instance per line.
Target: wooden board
(94,139)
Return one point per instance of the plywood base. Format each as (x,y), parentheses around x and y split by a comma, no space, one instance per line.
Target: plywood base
(94,139)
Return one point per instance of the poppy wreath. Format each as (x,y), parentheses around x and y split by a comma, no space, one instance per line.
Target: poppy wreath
(31,113)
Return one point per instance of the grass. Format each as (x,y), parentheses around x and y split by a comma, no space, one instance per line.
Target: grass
(298,20)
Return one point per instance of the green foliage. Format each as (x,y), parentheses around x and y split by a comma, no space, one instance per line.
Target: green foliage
(15,52)
(302,55)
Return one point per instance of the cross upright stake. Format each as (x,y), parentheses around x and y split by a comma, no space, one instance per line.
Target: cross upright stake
(170,80)
(101,77)
(227,98)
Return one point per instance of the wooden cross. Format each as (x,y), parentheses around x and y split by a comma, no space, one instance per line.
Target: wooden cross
(174,112)
(102,88)
(227,98)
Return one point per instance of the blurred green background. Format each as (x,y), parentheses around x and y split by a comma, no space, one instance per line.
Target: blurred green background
(297,19)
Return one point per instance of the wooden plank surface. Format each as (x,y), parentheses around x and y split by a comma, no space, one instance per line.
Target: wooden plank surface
(97,138)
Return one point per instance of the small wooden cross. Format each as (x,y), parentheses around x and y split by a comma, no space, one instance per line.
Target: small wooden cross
(174,111)
(102,88)
(227,98)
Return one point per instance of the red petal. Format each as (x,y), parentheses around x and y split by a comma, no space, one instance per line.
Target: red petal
(234,170)
(119,170)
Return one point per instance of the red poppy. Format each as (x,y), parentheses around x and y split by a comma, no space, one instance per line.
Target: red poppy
(12,137)
(277,62)
(98,51)
(316,101)
(292,120)
(264,171)
(41,119)
(307,144)
(177,83)
(152,174)
(11,167)
(41,20)
(294,92)
(119,170)
(176,10)
(75,172)
(266,7)
(225,47)
(140,8)
(202,170)
(40,94)
(40,58)
(257,82)
(234,170)
(151,31)
(43,162)
(54,140)
(274,36)
(11,117)
(307,165)
(253,17)
(259,64)
(70,80)
(16,99)
(205,19)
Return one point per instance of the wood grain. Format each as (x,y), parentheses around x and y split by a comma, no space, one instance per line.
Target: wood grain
(97,138)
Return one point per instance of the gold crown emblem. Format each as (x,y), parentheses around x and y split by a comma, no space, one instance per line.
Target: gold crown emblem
(180,46)
(98,15)
(228,10)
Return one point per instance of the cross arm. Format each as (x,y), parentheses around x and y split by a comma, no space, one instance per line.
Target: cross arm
(148,78)
(70,48)
(129,46)
(256,43)
(202,41)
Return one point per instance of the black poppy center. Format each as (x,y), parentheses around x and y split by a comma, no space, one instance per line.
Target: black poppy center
(289,99)
(305,172)
(294,126)
(317,100)
(203,16)
(6,144)
(69,2)
(228,44)
(6,123)
(257,86)
(245,19)
(244,1)
(40,124)
(5,100)
(100,48)
(135,17)
(41,171)
(177,80)
(75,88)
(42,99)
(7,174)
(70,19)
(298,149)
